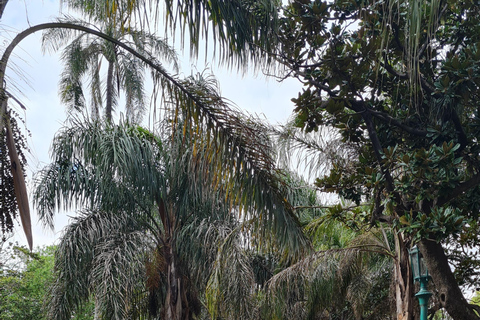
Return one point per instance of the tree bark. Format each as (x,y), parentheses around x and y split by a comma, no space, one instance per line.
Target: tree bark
(450,296)
(109,98)
(176,304)
(403,281)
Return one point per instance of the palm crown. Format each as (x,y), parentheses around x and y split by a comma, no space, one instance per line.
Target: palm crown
(83,56)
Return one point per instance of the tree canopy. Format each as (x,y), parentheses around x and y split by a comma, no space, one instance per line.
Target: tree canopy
(398,82)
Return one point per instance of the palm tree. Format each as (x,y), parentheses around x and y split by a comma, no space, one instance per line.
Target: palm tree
(349,274)
(350,282)
(242,28)
(173,184)
(242,31)
(83,55)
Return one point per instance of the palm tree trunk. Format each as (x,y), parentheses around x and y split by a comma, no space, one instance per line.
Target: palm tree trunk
(109,98)
(176,304)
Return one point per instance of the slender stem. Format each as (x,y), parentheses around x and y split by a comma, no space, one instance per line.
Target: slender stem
(109,104)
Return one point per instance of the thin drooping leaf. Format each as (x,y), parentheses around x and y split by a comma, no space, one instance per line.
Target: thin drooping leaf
(21,194)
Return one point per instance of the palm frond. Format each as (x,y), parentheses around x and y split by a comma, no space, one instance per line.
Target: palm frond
(154,47)
(98,165)
(119,274)
(56,38)
(315,151)
(132,79)
(95,85)
(90,246)
(77,58)
(239,155)
(327,282)
(243,30)
(229,292)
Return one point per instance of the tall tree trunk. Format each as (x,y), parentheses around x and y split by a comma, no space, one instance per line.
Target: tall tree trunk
(403,280)
(450,295)
(110,88)
(176,304)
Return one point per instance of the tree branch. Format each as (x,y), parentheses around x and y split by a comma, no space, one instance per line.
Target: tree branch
(460,189)
(391,120)
(377,147)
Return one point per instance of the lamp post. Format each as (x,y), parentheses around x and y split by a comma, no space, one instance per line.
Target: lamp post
(420,274)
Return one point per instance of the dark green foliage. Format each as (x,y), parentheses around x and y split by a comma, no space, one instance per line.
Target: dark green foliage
(413,122)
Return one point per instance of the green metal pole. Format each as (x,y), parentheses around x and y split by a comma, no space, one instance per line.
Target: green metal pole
(423,295)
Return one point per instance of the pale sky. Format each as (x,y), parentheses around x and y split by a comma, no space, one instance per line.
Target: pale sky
(44,114)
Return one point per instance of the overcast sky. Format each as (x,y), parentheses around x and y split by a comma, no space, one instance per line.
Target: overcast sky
(44,115)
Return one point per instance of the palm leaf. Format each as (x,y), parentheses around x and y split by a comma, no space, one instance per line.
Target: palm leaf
(110,249)
(19,182)
(243,30)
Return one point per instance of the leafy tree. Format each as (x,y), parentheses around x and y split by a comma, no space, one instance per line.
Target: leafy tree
(397,82)
(23,279)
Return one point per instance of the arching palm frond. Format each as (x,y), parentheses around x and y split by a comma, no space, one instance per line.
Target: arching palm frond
(242,30)
(332,282)
(236,153)
(100,251)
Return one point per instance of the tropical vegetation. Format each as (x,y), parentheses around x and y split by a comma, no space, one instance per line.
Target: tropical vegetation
(387,121)
(156,209)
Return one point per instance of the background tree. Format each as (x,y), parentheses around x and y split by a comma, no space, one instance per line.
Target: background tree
(23,279)
(346,276)
(244,22)
(83,55)
(404,96)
